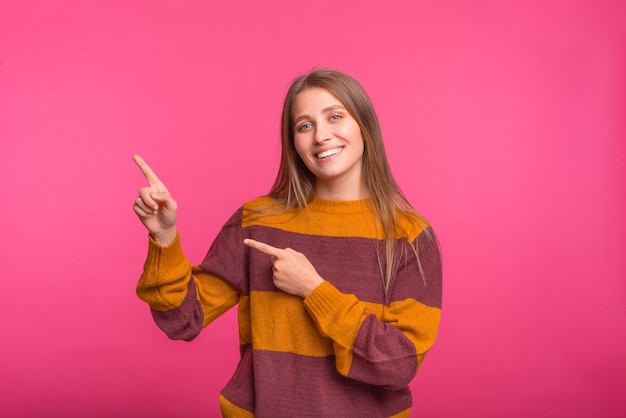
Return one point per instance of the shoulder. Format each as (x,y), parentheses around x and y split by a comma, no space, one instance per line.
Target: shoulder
(260,203)
(264,210)
(249,210)
(257,206)
(412,225)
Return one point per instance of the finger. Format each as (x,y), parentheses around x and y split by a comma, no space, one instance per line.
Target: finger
(147,197)
(263,247)
(141,212)
(139,202)
(148,173)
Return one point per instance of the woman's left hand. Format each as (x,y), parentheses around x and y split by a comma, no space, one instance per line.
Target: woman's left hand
(293,272)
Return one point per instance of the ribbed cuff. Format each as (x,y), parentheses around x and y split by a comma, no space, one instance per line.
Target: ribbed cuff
(159,255)
(165,279)
(325,301)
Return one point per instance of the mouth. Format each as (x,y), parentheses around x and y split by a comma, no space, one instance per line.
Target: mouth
(327,153)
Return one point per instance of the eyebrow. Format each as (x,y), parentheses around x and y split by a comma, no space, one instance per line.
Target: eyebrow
(325,110)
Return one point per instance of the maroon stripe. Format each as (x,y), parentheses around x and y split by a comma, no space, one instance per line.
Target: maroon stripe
(240,388)
(289,385)
(382,355)
(430,259)
(225,257)
(184,322)
(351,265)
(409,282)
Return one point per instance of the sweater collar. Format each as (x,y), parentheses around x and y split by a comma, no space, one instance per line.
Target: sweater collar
(339,206)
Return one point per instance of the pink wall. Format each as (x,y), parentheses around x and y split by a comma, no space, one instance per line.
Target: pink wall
(504,123)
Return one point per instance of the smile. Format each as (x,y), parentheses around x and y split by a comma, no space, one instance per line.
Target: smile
(328,153)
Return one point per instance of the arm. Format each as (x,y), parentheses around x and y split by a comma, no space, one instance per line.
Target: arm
(385,345)
(183,299)
(375,344)
(382,349)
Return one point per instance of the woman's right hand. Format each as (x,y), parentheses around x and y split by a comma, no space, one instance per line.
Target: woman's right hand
(155,207)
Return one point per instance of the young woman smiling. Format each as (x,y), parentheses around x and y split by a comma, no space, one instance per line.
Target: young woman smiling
(336,277)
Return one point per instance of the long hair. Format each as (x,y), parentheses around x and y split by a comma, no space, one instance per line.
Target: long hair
(294,184)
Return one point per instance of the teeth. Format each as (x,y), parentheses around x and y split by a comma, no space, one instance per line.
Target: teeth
(328,153)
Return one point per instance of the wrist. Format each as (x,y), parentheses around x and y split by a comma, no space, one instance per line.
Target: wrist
(166,237)
(310,289)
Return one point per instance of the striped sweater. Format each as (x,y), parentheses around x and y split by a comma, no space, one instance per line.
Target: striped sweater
(347,350)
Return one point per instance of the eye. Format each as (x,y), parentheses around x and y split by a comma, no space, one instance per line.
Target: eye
(303,127)
(335,117)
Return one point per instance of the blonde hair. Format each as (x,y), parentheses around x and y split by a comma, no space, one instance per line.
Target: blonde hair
(294,184)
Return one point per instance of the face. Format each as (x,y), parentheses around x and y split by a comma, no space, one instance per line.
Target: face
(329,142)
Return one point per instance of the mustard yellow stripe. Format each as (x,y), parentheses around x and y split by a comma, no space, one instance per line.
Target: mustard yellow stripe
(417,321)
(315,223)
(165,279)
(215,294)
(362,224)
(282,324)
(285,325)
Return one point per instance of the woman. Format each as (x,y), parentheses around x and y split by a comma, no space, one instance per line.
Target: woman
(337,278)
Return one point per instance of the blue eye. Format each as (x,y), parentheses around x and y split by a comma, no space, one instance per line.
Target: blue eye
(304,126)
(335,117)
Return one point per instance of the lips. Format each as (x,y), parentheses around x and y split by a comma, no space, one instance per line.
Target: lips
(327,153)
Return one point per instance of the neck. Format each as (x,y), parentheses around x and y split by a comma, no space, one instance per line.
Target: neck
(330,191)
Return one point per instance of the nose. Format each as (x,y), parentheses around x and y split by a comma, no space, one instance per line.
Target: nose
(322,133)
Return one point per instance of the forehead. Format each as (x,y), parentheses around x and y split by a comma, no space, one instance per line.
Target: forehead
(313,100)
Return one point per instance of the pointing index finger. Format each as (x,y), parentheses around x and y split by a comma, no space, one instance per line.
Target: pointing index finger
(263,247)
(148,173)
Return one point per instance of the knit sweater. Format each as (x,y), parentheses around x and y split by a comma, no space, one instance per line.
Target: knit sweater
(349,349)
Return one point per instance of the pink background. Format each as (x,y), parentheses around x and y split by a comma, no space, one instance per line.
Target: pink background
(505,126)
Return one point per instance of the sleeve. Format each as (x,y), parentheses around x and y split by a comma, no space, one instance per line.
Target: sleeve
(385,346)
(182,298)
